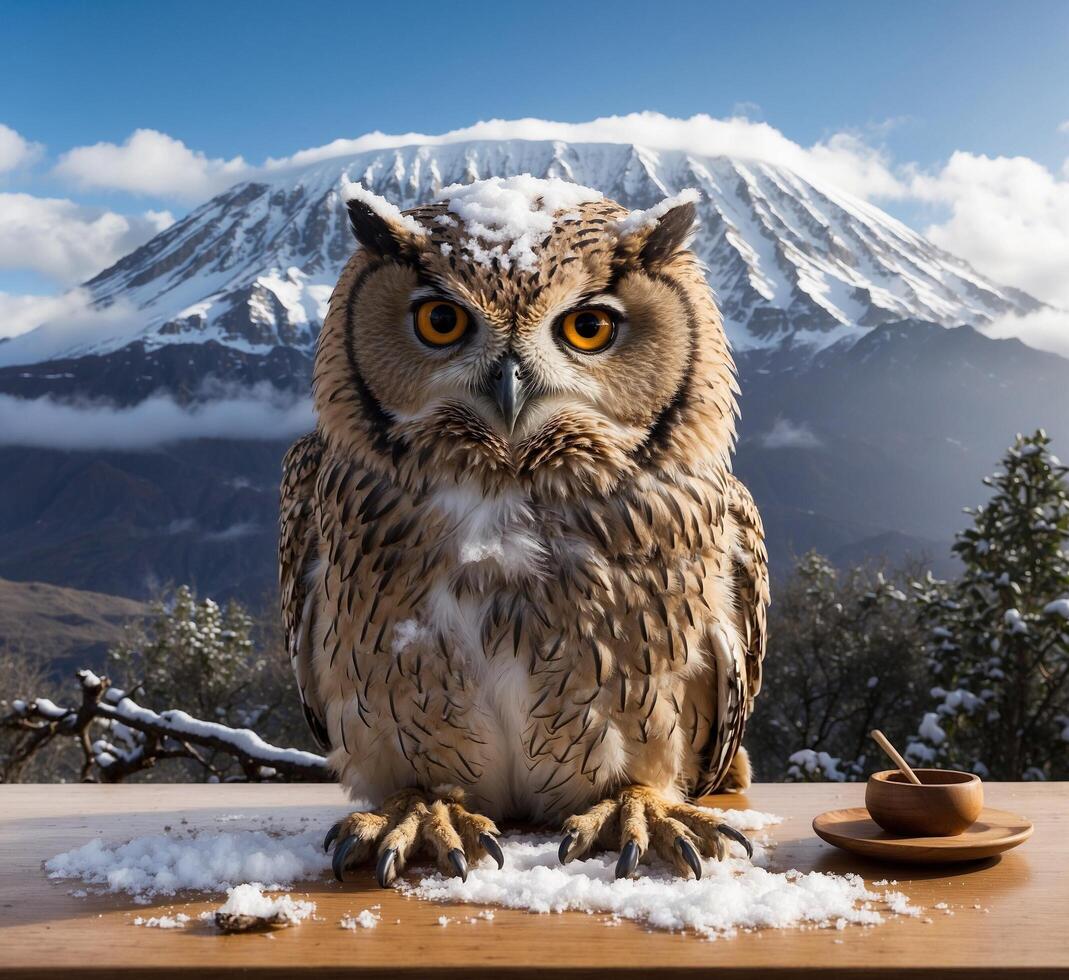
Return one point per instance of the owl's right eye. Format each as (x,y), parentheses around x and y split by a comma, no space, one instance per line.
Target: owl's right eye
(440,323)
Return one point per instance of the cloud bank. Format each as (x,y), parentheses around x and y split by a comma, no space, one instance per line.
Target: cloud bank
(68,242)
(257,413)
(844,160)
(786,434)
(43,327)
(16,151)
(1009,217)
(150,162)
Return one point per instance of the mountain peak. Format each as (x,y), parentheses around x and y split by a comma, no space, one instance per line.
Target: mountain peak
(792,263)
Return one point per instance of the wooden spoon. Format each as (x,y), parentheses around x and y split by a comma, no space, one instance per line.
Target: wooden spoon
(892,753)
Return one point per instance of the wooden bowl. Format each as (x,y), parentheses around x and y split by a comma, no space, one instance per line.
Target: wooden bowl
(945,804)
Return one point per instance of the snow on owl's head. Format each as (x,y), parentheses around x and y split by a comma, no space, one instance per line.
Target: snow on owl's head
(524,330)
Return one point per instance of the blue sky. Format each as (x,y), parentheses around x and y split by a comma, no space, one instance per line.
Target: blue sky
(916,83)
(268,78)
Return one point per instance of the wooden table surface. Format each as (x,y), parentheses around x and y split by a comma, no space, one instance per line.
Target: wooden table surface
(1020,929)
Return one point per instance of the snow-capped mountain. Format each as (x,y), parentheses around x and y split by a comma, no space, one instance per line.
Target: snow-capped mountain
(866,422)
(792,263)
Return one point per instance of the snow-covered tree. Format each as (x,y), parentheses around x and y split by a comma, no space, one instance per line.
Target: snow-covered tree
(192,652)
(999,636)
(195,679)
(844,656)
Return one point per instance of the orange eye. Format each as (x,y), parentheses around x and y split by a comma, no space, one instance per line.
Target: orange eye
(440,323)
(589,330)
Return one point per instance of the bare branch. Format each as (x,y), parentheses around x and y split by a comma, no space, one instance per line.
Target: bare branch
(137,738)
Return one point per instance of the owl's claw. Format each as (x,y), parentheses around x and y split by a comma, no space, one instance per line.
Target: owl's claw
(629,856)
(457,859)
(493,848)
(331,835)
(410,824)
(738,836)
(341,852)
(645,822)
(686,848)
(384,869)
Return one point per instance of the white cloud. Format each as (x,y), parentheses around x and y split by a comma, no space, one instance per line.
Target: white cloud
(844,160)
(1046,329)
(257,413)
(786,434)
(1064,127)
(68,326)
(56,326)
(21,313)
(16,151)
(151,162)
(1009,217)
(66,241)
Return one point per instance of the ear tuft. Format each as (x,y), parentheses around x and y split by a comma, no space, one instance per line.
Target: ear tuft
(378,225)
(672,233)
(660,232)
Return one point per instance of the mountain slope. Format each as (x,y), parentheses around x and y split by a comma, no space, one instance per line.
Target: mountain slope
(64,629)
(791,262)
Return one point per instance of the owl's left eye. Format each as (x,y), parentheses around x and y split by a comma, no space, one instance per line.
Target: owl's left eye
(440,323)
(589,330)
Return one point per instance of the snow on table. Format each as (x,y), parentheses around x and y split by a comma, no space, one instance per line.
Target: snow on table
(167,863)
(733,894)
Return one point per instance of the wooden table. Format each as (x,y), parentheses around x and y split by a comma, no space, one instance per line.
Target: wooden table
(1020,929)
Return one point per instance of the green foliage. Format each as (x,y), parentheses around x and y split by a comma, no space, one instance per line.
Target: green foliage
(844,657)
(217,663)
(193,654)
(998,637)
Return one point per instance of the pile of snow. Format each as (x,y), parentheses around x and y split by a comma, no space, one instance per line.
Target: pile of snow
(1059,607)
(365,919)
(513,214)
(163,864)
(642,220)
(163,921)
(807,762)
(249,902)
(733,894)
(389,213)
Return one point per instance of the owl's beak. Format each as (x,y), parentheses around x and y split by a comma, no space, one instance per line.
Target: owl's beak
(507,389)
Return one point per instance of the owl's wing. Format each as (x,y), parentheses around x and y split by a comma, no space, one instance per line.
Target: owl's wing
(297,550)
(750,566)
(738,664)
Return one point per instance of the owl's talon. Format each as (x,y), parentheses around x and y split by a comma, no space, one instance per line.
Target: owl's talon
(686,848)
(384,869)
(629,856)
(457,859)
(643,821)
(738,836)
(341,852)
(331,835)
(493,848)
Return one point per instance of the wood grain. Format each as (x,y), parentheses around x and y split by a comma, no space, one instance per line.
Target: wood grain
(1017,929)
(994,832)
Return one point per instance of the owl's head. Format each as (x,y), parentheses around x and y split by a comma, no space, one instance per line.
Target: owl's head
(526,331)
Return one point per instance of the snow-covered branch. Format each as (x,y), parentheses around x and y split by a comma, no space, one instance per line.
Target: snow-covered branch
(133,738)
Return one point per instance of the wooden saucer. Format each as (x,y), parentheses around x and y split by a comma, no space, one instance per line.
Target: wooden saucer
(854,830)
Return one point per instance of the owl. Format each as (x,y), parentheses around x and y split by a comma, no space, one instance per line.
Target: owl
(518,578)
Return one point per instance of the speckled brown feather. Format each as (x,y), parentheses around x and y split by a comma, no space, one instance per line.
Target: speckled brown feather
(544,618)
